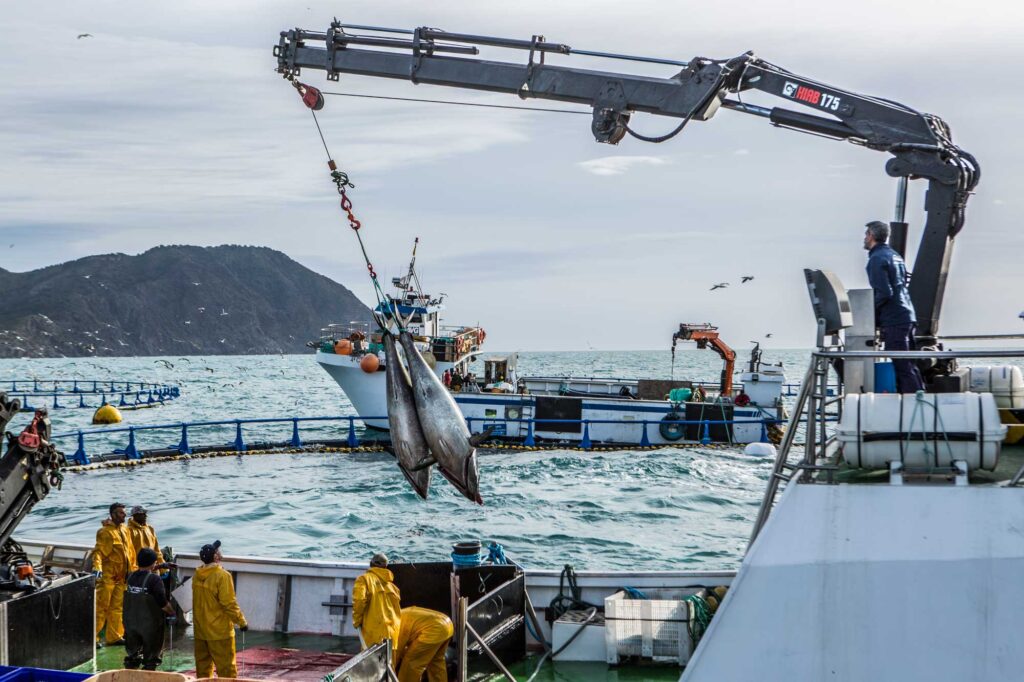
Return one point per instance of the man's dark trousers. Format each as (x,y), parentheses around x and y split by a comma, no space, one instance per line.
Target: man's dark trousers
(908,376)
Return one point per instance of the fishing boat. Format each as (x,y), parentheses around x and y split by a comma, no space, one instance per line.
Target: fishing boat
(565,409)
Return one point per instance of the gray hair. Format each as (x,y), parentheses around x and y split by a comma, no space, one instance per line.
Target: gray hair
(879,231)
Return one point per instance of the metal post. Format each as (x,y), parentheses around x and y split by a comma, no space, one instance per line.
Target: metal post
(123,401)
(353,441)
(706,436)
(131,452)
(585,443)
(239,444)
(80,457)
(183,447)
(645,442)
(295,441)
(81,400)
(463,641)
(55,405)
(529,442)
(764,430)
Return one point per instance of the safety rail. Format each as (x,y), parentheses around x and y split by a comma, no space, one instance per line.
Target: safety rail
(351,438)
(814,400)
(789,389)
(126,399)
(84,386)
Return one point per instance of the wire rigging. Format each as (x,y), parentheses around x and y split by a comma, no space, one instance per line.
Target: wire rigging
(463,104)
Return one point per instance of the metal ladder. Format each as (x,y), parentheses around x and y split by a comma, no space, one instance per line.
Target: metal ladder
(813,401)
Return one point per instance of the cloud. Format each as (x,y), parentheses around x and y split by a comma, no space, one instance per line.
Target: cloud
(619,165)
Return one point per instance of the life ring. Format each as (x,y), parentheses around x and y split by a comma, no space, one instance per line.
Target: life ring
(672,432)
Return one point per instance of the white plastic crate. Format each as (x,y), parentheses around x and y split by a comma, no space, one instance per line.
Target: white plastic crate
(655,628)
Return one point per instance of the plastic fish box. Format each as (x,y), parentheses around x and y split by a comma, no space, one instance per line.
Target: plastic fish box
(589,645)
(656,628)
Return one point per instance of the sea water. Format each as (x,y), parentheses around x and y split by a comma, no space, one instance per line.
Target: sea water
(670,508)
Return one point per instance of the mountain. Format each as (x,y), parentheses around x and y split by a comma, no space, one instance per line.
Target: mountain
(170,300)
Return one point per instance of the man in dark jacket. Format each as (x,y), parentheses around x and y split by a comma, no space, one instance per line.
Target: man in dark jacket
(145,606)
(894,313)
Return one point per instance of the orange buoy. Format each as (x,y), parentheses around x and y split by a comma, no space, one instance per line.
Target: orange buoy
(343,347)
(369,363)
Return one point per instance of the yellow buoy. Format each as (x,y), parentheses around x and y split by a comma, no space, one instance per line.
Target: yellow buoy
(106,414)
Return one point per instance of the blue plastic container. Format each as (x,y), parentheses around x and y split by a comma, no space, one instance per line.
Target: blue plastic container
(885,381)
(39,675)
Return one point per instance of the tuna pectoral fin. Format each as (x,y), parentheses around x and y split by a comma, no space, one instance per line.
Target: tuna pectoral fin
(424,463)
(477,438)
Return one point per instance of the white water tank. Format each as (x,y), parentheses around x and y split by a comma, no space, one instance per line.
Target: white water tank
(764,386)
(933,430)
(1005,382)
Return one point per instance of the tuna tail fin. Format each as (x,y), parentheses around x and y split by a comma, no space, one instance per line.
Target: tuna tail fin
(424,463)
(478,438)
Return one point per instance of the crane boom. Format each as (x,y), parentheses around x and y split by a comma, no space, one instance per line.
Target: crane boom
(920,144)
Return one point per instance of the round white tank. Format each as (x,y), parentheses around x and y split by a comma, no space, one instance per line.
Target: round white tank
(931,430)
(1005,382)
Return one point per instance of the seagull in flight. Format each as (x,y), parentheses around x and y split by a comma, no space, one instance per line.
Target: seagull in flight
(165,363)
(746,278)
(83,35)
(223,312)
(720,285)
(767,336)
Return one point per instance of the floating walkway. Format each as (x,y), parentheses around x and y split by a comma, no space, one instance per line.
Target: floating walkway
(56,394)
(347,440)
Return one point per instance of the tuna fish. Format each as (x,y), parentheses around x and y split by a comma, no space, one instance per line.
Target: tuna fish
(407,441)
(451,446)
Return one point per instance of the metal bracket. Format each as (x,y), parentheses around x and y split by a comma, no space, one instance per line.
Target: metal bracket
(337,604)
(332,47)
(610,113)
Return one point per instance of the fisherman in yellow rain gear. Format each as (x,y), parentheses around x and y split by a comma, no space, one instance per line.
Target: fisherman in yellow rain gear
(422,643)
(376,603)
(214,612)
(143,534)
(113,559)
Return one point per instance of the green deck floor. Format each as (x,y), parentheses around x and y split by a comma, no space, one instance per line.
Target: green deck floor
(180,657)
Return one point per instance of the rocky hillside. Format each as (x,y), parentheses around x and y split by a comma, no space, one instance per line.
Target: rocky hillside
(171,300)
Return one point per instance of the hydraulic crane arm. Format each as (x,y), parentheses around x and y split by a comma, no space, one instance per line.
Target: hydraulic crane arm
(920,144)
(707,335)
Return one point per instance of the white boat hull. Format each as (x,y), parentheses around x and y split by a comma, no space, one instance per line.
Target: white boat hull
(611,419)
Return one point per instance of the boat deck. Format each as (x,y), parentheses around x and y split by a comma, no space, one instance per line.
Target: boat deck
(308,658)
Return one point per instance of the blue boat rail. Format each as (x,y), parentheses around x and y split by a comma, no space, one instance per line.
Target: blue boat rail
(351,439)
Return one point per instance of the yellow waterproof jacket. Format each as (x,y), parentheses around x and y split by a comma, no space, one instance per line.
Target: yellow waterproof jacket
(113,553)
(214,607)
(376,606)
(424,626)
(144,535)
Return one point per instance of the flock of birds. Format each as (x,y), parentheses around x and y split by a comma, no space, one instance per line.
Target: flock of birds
(722,285)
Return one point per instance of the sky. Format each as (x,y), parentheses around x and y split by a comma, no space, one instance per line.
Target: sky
(169,125)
